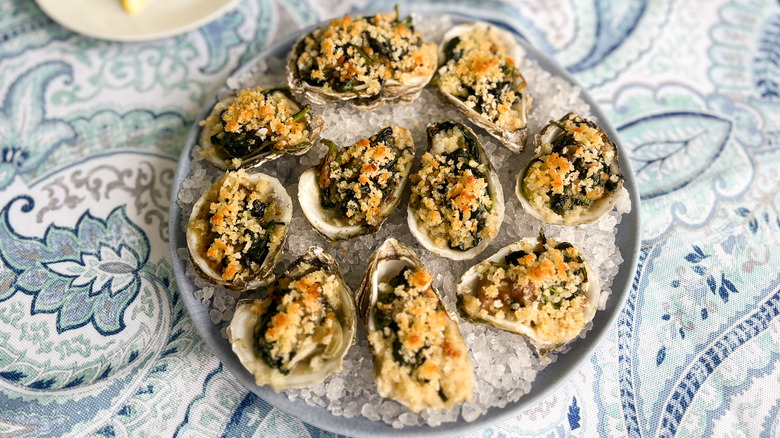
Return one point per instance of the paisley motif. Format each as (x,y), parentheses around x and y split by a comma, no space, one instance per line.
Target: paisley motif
(86,275)
(670,150)
(23,27)
(87,306)
(27,135)
(677,140)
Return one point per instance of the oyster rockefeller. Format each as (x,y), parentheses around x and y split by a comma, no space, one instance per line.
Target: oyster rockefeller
(481,78)
(536,287)
(237,229)
(255,125)
(457,204)
(355,189)
(299,334)
(420,359)
(575,177)
(364,60)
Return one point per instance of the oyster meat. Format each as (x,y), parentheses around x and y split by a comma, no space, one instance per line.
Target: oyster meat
(536,287)
(355,189)
(299,334)
(420,358)
(574,177)
(457,204)
(479,75)
(246,129)
(367,61)
(237,229)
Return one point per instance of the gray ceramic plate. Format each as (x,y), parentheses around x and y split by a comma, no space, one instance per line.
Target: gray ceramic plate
(628,240)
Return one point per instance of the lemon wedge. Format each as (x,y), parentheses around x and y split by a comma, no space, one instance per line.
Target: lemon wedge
(133,7)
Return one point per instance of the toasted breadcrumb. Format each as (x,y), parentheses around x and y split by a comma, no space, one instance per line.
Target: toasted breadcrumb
(542,290)
(362,55)
(483,75)
(450,197)
(421,357)
(300,318)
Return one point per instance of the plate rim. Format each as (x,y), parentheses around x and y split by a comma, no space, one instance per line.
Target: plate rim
(152,36)
(628,231)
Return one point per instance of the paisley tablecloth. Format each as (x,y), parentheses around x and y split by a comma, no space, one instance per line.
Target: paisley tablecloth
(94,338)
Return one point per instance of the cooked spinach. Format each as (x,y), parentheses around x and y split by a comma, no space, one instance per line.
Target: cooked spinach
(263,348)
(400,279)
(449,49)
(258,209)
(513,258)
(384,136)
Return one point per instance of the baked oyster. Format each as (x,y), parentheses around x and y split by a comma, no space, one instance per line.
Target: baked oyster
(367,61)
(536,287)
(237,229)
(420,358)
(457,204)
(246,129)
(299,334)
(354,189)
(574,177)
(479,75)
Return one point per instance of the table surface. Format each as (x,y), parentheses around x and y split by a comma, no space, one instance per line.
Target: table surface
(95,340)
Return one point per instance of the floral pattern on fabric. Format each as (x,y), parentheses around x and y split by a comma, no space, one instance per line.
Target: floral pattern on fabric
(96,340)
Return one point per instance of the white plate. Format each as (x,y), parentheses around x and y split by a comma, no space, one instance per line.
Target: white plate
(106,19)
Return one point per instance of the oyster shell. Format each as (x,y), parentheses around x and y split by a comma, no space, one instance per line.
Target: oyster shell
(467,205)
(420,358)
(509,291)
(327,193)
(238,132)
(300,333)
(386,61)
(479,76)
(580,146)
(249,246)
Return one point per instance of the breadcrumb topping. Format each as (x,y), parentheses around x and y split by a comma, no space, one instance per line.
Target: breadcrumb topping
(300,319)
(258,120)
(359,181)
(574,171)
(240,228)
(539,286)
(450,197)
(422,358)
(479,71)
(362,55)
